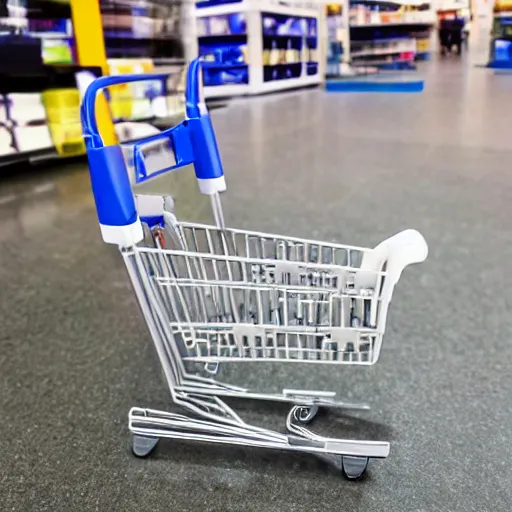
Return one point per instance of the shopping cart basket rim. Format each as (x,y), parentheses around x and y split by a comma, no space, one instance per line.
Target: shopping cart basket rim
(256,261)
(274,236)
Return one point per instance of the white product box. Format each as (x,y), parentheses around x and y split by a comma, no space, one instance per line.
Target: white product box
(26,107)
(32,138)
(6,146)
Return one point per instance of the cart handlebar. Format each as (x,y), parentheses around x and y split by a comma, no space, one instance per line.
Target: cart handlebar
(192,142)
(193,107)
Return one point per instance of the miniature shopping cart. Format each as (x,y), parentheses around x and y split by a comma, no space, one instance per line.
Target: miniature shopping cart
(212,295)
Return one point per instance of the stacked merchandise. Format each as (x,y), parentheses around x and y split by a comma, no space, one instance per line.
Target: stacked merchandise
(37,47)
(40,113)
(63,113)
(142,29)
(39,96)
(47,20)
(27,114)
(389,34)
(223,44)
(145,101)
(338,40)
(23,125)
(56,37)
(501,45)
(143,37)
(391,12)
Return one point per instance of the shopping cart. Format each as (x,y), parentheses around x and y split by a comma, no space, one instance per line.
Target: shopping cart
(212,295)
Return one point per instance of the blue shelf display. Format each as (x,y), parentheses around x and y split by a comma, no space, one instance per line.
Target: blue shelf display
(224,63)
(289,47)
(223,45)
(387,33)
(281,72)
(257,47)
(501,54)
(501,43)
(214,74)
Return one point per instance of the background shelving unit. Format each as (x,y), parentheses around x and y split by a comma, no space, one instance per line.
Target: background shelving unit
(42,61)
(142,29)
(377,33)
(40,92)
(259,46)
(144,36)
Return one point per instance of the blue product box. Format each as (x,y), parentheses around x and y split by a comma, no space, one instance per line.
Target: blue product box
(223,76)
(223,53)
(238,23)
(281,25)
(222,25)
(502,50)
(210,3)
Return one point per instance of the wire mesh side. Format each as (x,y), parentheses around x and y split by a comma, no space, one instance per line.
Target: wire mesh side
(187,267)
(249,244)
(242,343)
(309,323)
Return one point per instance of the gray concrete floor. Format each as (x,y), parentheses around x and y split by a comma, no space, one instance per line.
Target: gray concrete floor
(75,354)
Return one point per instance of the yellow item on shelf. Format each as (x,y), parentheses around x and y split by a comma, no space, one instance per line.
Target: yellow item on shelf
(266,57)
(245,53)
(422,45)
(503,6)
(63,115)
(290,53)
(274,54)
(68,139)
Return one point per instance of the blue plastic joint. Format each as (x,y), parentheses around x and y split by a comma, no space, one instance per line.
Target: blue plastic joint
(193,142)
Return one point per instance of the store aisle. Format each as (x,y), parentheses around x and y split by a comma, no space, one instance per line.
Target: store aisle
(75,354)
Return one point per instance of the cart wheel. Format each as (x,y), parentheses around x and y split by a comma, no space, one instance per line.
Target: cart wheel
(305,414)
(142,446)
(353,467)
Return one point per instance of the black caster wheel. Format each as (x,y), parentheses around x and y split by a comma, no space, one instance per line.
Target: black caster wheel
(353,467)
(142,446)
(305,414)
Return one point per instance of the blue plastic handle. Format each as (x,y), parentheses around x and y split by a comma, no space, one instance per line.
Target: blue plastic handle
(193,105)
(193,142)
(88,109)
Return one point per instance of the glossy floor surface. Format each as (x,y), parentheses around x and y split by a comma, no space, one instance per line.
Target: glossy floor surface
(75,354)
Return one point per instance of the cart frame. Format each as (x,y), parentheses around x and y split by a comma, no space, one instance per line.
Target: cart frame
(169,295)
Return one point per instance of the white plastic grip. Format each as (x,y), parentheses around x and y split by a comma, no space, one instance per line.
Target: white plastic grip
(399,251)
